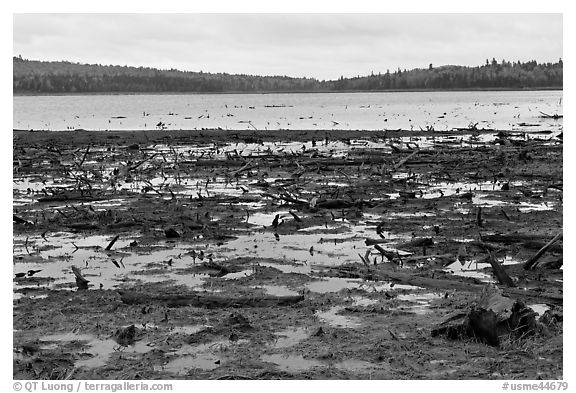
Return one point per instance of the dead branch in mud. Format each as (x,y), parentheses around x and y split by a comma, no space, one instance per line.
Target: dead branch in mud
(554,116)
(135,166)
(248,166)
(531,263)
(404,160)
(81,282)
(499,272)
(390,255)
(84,156)
(19,220)
(221,270)
(479,217)
(109,246)
(208,301)
(285,198)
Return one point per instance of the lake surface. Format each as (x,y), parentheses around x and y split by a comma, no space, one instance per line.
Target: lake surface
(502,110)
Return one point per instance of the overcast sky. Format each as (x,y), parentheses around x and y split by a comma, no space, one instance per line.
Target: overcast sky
(324,46)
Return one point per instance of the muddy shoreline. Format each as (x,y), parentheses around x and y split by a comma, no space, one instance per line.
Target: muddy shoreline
(377,237)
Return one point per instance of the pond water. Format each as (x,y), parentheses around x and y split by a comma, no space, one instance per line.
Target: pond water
(506,110)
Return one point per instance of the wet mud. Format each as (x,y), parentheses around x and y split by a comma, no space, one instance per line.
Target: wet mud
(374,237)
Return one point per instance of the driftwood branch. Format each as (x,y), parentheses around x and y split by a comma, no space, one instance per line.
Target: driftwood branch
(403,161)
(499,272)
(531,263)
(109,246)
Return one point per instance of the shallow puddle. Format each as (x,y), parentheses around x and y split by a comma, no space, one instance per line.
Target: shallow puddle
(189,329)
(332,284)
(204,356)
(103,349)
(336,284)
(297,248)
(421,302)
(540,309)
(181,365)
(354,365)
(523,207)
(278,290)
(238,275)
(100,349)
(291,336)
(291,362)
(363,301)
(334,319)
(267,219)
(106,269)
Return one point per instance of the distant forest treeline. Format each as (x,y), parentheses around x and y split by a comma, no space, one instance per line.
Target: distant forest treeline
(65,77)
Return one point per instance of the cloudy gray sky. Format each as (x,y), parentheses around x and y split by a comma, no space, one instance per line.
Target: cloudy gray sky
(323,46)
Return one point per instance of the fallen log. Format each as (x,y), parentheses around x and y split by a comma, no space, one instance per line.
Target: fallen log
(510,238)
(484,245)
(428,282)
(418,242)
(208,301)
(371,242)
(335,204)
(70,197)
(83,226)
(531,263)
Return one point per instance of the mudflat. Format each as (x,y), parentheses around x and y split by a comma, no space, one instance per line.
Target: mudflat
(283,254)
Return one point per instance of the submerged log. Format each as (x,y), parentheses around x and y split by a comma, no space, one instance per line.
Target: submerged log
(208,301)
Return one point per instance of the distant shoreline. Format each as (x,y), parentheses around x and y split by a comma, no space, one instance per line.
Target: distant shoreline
(28,94)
